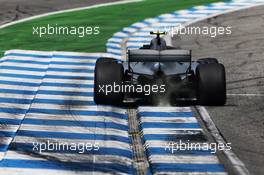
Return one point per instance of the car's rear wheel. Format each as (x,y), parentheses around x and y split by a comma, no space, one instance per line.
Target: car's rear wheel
(109,74)
(211,84)
(207,60)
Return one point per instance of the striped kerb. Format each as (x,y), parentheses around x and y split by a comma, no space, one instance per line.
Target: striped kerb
(47,97)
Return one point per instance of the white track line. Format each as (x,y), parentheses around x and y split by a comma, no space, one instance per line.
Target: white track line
(68,10)
(238,166)
(247,95)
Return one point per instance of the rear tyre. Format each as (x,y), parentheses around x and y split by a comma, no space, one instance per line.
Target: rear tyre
(211,84)
(107,73)
(207,60)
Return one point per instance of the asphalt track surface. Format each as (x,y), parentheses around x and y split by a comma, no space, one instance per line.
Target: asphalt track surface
(12,10)
(241,120)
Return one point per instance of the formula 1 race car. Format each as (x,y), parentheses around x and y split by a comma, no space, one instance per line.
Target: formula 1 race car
(158,74)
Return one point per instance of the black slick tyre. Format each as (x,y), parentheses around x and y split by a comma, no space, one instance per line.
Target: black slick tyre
(107,73)
(211,84)
(207,60)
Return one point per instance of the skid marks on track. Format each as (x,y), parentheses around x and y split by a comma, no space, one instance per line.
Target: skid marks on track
(53,103)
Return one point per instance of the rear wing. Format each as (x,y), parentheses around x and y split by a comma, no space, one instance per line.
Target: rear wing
(147,55)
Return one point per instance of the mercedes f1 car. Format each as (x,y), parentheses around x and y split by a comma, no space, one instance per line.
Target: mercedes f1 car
(158,74)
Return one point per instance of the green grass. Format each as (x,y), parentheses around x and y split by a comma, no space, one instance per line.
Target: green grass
(110,19)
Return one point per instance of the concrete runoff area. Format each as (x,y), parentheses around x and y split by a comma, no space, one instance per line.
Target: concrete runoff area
(241,120)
